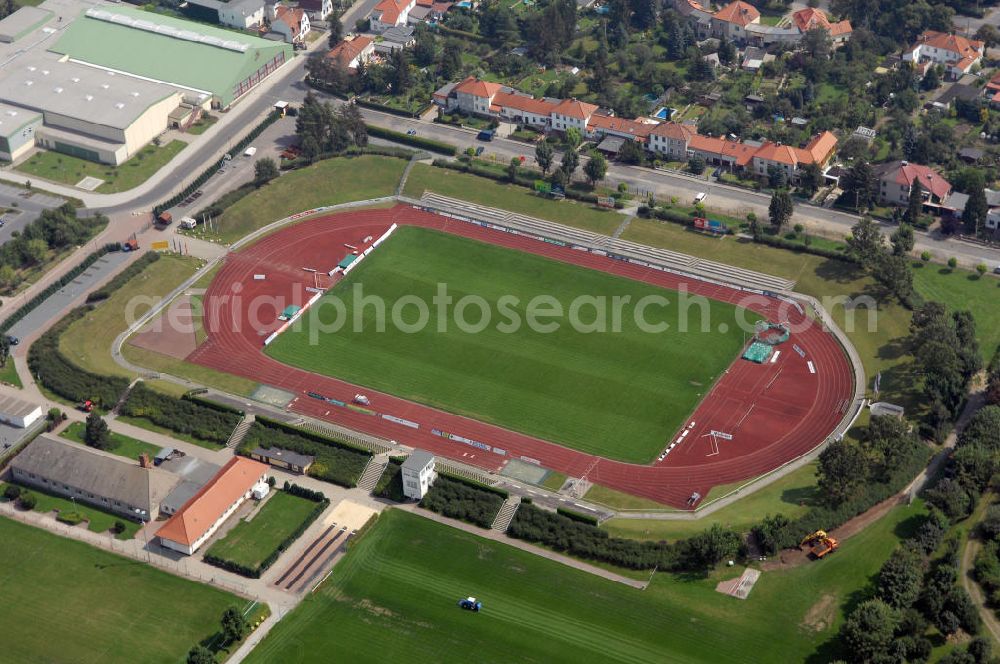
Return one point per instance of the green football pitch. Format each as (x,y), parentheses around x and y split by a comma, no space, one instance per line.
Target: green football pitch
(394,598)
(619,393)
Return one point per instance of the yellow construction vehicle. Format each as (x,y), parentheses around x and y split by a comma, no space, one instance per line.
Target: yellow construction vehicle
(812,537)
(820,543)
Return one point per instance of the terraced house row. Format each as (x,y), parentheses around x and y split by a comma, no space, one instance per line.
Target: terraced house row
(673,141)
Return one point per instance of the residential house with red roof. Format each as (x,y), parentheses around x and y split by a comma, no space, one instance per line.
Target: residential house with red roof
(572,114)
(956,53)
(811,18)
(897,178)
(202,515)
(389,13)
(292,23)
(790,159)
(350,53)
(732,20)
(671,140)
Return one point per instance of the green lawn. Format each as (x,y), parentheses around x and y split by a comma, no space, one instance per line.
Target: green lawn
(398,588)
(202,125)
(249,544)
(8,374)
(87,342)
(98,520)
(71,603)
(791,495)
(59,167)
(509,197)
(962,289)
(617,394)
(328,182)
(122,445)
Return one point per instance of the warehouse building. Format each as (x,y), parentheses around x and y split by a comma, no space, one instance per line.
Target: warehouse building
(17,131)
(90,113)
(18,413)
(21,23)
(128,488)
(200,59)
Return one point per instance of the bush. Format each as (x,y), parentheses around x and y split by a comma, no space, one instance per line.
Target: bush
(416,141)
(27,501)
(69,517)
(375,106)
(59,375)
(576,516)
(460,500)
(11,492)
(336,461)
(184,416)
(303,492)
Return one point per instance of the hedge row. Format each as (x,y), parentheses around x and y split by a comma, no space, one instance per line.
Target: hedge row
(585,540)
(31,304)
(462,34)
(105,291)
(335,461)
(185,416)
(382,108)
(415,141)
(58,374)
(255,572)
(463,501)
(577,516)
(782,243)
(208,403)
(503,493)
(303,492)
(195,184)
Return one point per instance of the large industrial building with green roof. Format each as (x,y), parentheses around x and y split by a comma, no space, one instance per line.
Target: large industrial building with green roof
(117,77)
(200,58)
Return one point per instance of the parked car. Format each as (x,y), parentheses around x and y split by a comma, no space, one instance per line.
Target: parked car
(479,150)
(699,197)
(12,340)
(411,132)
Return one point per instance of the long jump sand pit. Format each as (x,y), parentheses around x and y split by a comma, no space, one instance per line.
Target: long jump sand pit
(174,332)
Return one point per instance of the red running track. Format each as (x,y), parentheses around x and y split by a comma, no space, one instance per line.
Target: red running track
(774,411)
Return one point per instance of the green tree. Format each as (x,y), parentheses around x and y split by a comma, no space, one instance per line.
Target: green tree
(96,434)
(544,154)
(711,546)
(200,655)
(27,501)
(234,625)
(572,139)
(632,153)
(512,168)
(727,52)
(336,28)
(596,168)
(780,209)
(777,178)
(570,161)
(696,165)
(870,629)
(893,272)
(915,204)
(4,349)
(35,251)
(901,577)
(858,184)
(903,240)
(842,469)
(8,276)
(866,242)
(976,209)
(265,170)
(451,60)
(11,492)
(811,178)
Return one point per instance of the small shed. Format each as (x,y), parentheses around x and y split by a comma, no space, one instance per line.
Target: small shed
(281,458)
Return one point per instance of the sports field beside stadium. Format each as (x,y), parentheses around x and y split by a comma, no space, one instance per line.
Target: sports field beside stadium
(68,602)
(620,395)
(398,587)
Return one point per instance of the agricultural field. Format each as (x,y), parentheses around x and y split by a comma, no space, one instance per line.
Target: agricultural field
(616,394)
(399,585)
(68,602)
(250,543)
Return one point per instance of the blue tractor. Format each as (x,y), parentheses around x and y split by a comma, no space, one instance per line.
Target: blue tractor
(471,604)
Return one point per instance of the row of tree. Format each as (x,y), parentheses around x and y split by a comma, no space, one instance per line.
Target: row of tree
(323,129)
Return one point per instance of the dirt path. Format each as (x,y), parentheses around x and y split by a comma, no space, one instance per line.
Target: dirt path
(789,558)
(972,547)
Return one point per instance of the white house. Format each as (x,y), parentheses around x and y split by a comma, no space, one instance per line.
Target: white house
(317,10)
(418,474)
(389,13)
(242,14)
(207,510)
(957,54)
(292,23)
(19,413)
